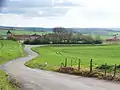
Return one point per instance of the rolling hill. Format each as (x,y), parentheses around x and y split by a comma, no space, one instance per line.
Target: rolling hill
(92,31)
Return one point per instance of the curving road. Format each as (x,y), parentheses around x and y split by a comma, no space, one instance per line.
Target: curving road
(33,79)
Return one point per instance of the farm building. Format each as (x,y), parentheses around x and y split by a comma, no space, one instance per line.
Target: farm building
(116,38)
(22,37)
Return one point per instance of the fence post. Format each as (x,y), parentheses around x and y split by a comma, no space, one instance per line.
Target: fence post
(71,62)
(79,64)
(115,70)
(91,65)
(105,69)
(66,62)
(62,64)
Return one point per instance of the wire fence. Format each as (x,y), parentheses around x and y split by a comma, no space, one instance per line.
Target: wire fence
(113,70)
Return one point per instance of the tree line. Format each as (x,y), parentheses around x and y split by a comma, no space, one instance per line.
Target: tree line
(62,35)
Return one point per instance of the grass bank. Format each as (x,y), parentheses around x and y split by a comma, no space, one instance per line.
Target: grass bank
(9,50)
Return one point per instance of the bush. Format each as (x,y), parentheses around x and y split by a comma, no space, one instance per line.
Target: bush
(85,72)
(98,42)
(118,66)
(104,66)
(36,42)
(62,39)
(27,42)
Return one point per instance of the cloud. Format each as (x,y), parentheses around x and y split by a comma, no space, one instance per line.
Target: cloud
(28,3)
(47,12)
(1,3)
(37,12)
(64,3)
(38,3)
(66,13)
(33,8)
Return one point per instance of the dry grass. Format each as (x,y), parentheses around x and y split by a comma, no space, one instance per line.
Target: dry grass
(87,73)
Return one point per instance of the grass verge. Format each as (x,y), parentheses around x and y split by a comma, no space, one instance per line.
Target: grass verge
(9,50)
(7,83)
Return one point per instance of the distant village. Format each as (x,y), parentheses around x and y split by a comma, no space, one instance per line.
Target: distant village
(10,35)
(114,38)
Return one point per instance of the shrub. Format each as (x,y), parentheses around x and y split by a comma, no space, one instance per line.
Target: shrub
(65,38)
(104,66)
(118,66)
(66,70)
(98,42)
(27,42)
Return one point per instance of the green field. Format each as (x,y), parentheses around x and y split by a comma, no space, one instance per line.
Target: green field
(54,55)
(8,50)
(18,32)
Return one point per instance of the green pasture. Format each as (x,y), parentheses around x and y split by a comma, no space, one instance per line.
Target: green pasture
(23,32)
(10,50)
(54,55)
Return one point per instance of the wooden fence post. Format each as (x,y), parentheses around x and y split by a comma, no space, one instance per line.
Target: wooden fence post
(66,62)
(105,69)
(62,64)
(91,65)
(115,67)
(71,62)
(79,64)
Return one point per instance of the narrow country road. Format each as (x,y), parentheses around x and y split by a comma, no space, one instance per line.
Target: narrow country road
(33,79)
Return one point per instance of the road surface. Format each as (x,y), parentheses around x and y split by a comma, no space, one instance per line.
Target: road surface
(34,79)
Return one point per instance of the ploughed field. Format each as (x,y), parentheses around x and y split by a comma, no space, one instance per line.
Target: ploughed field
(54,55)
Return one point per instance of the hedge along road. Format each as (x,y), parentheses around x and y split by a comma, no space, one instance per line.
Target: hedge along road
(34,79)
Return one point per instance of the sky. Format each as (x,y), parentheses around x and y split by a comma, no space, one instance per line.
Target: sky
(60,13)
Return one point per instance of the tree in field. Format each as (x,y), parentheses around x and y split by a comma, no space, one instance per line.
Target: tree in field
(59,30)
(98,40)
(88,39)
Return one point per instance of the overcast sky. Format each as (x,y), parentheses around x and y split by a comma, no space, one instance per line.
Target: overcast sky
(65,13)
